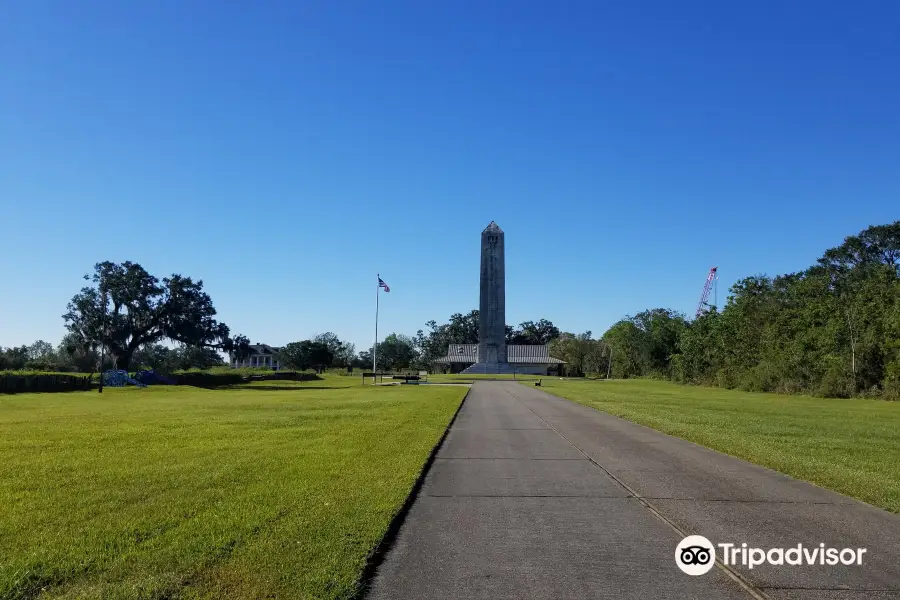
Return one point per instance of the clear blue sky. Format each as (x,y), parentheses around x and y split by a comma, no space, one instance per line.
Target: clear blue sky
(286,152)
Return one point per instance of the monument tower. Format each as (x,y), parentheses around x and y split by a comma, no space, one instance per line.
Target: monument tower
(491,355)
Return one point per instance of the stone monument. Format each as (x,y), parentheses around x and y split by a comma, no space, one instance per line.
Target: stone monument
(491,354)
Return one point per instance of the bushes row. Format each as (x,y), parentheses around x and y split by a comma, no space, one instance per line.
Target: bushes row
(24,381)
(19,384)
(207,379)
(217,378)
(286,375)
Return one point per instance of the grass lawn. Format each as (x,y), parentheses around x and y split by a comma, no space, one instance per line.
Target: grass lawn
(328,382)
(850,446)
(262,491)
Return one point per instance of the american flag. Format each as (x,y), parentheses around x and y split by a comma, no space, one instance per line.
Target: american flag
(382,284)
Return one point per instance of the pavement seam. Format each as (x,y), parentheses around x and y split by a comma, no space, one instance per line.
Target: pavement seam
(830,589)
(745,501)
(744,583)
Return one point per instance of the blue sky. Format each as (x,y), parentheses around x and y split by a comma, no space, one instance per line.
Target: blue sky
(286,152)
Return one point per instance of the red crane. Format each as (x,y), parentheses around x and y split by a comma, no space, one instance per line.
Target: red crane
(710,280)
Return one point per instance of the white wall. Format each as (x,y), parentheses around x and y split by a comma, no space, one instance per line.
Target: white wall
(526,369)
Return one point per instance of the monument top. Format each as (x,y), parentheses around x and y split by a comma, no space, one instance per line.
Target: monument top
(493,227)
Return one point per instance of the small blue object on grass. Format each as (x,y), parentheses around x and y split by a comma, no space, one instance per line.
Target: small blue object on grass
(119,378)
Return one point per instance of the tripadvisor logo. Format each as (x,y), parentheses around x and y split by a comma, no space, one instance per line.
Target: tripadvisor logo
(696,555)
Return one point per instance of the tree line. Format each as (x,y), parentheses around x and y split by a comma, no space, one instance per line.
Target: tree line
(398,352)
(128,316)
(832,329)
(135,320)
(69,356)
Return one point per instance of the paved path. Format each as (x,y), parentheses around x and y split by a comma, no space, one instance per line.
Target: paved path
(533,496)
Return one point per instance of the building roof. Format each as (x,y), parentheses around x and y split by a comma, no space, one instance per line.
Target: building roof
(492,228)
(516,354)
(463,353)
(530,354)
(263,349)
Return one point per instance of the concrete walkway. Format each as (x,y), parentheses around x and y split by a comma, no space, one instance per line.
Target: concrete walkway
(533,496)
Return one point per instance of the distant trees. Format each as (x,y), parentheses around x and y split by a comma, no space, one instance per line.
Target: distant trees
(42,356)
(156,357)
(126,308)
(463,329)
(363,360)
(833,329)
(529,332)
(342,352)
(240,348)
(396,352)
(198,357)
(307,354)
(72,356)
(69,356)
(325,350)
(78,354)
(13,358)
(182,357)
(645,343)
(582,354)
(41,351)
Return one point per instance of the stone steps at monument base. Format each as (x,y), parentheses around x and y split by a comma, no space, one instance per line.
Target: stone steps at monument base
(489,369)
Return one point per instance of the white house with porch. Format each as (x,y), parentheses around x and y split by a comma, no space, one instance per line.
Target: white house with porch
(261,356)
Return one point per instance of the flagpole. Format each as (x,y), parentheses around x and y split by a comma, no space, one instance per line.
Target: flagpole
(375,346)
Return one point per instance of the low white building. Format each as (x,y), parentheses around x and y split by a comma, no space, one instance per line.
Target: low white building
(521,359)
(261,356)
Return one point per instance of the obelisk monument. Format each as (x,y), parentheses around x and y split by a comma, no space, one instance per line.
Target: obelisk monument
(492,307)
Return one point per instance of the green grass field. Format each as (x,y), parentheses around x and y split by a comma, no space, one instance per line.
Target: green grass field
(850,446)
(326,383)
(269,490)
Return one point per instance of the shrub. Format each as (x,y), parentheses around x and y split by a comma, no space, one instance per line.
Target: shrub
(892,380)
(286,375)
(41,382)
(208,379)
(837,381)
(725,378)
(221,376)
